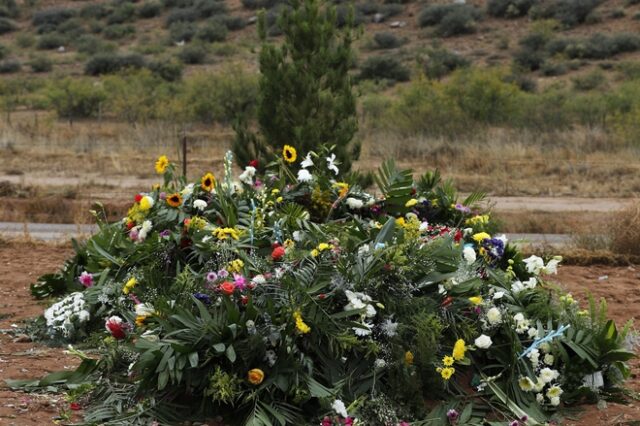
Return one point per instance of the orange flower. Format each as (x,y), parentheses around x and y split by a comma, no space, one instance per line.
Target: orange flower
(227,288)
(174,200)
(208,182)
(255,376)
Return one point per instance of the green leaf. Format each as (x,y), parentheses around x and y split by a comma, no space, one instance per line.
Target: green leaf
(193,359)
(231,354)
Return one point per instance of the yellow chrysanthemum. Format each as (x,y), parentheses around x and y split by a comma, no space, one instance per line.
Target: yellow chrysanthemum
(289,154)
(235,266)
(129,285)
(447,372)
(478,220)
(301,326)
(476,300)
(400,221)
(224,233)
(146,203)
(343,188)
(481,236)
(459,349)
(447,361)
(408,358)
(315,253)
(412,202)
(174,200)
(208,182)
(161,164)
(140,319)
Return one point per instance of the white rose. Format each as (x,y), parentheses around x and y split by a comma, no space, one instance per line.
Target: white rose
(200,204)
(469,255)
(483,341)
(354,203)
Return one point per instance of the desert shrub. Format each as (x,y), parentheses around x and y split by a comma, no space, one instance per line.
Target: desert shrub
(617,14)
(181,15)
(10,66)
(260,4)
(182,4)
(182,31)
(168,70)
(386,40)
(213,30)
(25,40)
(391,9)
(346,14)
(484,95)
(53,16)
(121,14)
(461,20)
(150,9)
(71,28)
(532,51)
(91,45)
(118,31)
(9,9)
(193,54)
(441,62)
(51,41)
(367,7)
(75,98)
(590,81)
(598,46)
(383,67)
(95,11)
(222,96)
(41,64)
(4,51)
(7,25)
(568,12)
(551,69)
(435,14)
(509,8)
(234,23)
(624,230)
(208,8)
(109,63)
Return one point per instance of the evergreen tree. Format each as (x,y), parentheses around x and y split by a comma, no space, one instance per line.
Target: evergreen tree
(305,94)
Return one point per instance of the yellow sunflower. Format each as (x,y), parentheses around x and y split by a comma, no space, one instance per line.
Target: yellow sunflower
(289,154)
(174,200)
(161,164)
(208,182)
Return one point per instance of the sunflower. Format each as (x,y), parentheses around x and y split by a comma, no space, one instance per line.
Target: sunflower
(289,154)
(161,164)
(174,200)
(208,182)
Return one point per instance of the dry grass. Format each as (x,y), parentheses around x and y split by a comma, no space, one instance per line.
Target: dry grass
(624,231)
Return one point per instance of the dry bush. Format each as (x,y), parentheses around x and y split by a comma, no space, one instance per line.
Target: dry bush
(624,230)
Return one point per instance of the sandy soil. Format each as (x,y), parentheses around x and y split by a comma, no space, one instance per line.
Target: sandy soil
(21,263)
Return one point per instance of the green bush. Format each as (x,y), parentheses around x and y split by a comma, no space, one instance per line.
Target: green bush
(509,8)
(460,20)
(150,9)
(7,25)
(75,98)
(9,9)
(346,14)
(209,8)
(590,81)
(25,40)
(441,62)
(91,45)
(221,97)
(181,4)
(598,46)
(51,41)
(108,63)
(383,67)
(95,11)
(41,64)
(168,70)
(71,28)
(235,23)
(118,31)
(181,15)
(193,54)
(10,66)
(4,51)
(386,40)
(551,69)
(182,31)
(124,13)
(569,12)
(213,30)
(391,9)
(53,16)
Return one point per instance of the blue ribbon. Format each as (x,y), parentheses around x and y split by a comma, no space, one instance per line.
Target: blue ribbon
(549,337)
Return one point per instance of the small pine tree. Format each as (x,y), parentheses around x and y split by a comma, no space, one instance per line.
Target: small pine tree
(305,97)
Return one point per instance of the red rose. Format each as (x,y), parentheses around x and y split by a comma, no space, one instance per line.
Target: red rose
(130,225)
(75,406)
(138,198)
(447,301)
(277,254)
(322,296)
(116,327)
(458,236)
(227,288)
(254,163)
(244,299)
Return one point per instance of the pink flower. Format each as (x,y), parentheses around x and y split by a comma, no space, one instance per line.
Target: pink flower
(86,279)
(239,281)
(212,276)
(326,422)
(348,421)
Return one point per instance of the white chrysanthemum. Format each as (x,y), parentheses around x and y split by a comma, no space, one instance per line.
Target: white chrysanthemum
(200,204)
(548,359)
(304,176)
(83,315)
(483,341)
(494,316)
(363,330)
(144,230)
(469,255)
(259,279)
(354,203)
(339,407)
(389,327)
(534,357)
(380,363)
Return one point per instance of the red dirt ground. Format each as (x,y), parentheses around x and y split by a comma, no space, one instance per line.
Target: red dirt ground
(21,263)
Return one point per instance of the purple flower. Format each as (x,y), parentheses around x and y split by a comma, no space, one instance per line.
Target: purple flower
(240,281)
(212,276)
(204,298)
(257,183)
(463,209)
(165,233)
(162,196)
(86,279)
(222,274)
(452,415)
(514,423)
